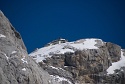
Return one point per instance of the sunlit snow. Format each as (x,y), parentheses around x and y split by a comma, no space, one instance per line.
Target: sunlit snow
(87,44)
(6,56)
(117,65)
(56,68)
(2,36)
(24,69)
(13,52)
(24,60)
(43,53)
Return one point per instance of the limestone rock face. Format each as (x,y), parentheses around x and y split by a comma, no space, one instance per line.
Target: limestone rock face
(87,65)
(15,65)
(114,51)
(81,64)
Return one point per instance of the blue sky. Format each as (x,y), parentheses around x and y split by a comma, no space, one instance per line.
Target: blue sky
(41,21)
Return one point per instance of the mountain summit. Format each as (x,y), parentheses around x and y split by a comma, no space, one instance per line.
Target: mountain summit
(88,60)
(61,46)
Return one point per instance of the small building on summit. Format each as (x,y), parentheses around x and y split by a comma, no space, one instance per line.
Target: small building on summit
(58,41)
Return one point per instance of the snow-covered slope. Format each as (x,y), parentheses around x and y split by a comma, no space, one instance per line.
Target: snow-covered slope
(117,65)
(61,48)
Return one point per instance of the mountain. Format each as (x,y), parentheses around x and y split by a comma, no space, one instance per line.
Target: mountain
(85,61)
(61,46)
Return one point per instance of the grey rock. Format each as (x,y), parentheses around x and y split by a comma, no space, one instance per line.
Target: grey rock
(15,65)
(87,66)
(114,51)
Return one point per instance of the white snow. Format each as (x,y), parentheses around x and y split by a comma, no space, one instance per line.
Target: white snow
(6,56)
(53,67)
(24,60)
(42,53)
(56,68)
(2,36)
(60,79)
(87,44)
(13,52)
(45,52)
(62,51)
(24,69)
(117,65)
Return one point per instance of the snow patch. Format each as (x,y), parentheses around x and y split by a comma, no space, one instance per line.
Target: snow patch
(53,67)
(24,60)
(87,44)
(56,67)
(48,51)
(117,65)
(24,69)
(60,79)
(2,36)
(66,50)
(13,52)
(6,56)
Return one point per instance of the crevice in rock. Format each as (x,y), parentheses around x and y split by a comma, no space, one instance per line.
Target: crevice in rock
(17,34)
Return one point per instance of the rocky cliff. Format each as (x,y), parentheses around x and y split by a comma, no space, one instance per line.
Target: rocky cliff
(85,61)
(15,65)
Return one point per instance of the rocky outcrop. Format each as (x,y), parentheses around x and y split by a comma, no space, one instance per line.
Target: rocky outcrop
(118,77)
(87,66)
(114,51)
(15,65)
